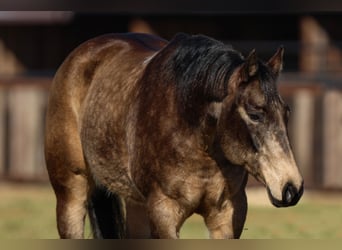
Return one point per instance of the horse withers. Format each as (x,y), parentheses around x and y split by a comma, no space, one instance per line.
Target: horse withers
(138,127)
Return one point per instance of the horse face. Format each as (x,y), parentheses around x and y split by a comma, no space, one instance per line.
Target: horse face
(254,134)
(270,158)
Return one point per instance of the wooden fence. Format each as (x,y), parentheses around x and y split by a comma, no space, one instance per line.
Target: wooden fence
(22,109)
(315,129)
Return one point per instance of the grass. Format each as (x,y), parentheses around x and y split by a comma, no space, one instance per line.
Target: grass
(307,221)
(28,212)
(316,216)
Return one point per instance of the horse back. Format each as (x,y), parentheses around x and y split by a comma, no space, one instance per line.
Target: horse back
(77,72)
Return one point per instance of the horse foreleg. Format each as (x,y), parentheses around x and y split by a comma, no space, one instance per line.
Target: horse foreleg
(239,203)
(219,222)
(165,215)
(71,208)
(227,222)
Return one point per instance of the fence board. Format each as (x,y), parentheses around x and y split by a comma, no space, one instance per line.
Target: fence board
(23,101)
(26,127)
(2,132)
(303,132)
(332,132)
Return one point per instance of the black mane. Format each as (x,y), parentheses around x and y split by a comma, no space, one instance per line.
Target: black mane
(199,67)
(202,67)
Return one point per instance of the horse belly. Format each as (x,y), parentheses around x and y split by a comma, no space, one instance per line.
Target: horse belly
(105,129)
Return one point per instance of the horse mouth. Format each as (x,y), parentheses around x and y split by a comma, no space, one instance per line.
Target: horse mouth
(290,197)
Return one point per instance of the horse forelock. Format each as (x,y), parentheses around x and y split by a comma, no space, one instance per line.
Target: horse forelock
(268,84)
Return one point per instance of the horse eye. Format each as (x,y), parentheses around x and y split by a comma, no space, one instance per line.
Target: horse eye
(257,117)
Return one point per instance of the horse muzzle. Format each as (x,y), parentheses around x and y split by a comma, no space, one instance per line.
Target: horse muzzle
(290,196)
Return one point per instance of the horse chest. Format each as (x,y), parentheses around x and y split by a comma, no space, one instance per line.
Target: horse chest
(221,185)
(191,187)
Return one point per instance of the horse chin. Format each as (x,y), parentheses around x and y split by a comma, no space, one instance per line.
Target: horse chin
(275,202)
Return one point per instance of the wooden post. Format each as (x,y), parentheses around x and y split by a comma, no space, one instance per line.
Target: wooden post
(9,63)
(2,131)
(25,129)
(315,44)
(140,26)
(318,53)
(303,132)
(332,139)
(41,171)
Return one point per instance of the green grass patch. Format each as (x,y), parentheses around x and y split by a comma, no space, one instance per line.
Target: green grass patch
(309,220)
(29,213)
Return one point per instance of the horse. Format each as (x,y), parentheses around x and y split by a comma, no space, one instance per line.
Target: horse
(155,130)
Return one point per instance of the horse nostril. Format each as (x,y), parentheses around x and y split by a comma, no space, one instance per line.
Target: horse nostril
(288,196)
(289,193)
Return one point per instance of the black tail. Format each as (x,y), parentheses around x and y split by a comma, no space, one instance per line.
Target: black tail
(107,215)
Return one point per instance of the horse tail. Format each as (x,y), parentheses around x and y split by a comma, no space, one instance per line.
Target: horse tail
(107,215)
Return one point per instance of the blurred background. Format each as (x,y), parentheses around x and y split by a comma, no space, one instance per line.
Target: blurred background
(34,43)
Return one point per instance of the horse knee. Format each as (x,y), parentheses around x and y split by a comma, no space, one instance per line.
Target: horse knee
(166,217)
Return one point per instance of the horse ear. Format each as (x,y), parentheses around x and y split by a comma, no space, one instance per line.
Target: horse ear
(250,66)
(276,61)
(243,73)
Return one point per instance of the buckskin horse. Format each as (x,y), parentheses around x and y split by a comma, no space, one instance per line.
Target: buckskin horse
(171,128)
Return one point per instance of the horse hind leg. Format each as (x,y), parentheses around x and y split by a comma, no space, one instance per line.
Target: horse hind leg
(71,190)
(67,173)
(71,209)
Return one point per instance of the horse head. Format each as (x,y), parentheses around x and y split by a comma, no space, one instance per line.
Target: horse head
(252,128)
